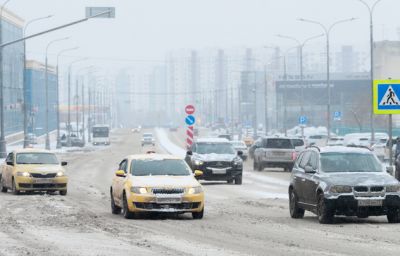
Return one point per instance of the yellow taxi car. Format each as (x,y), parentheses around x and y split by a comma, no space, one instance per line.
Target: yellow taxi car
(31,170)
(156,183)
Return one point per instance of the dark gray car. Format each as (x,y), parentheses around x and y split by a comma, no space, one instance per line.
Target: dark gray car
(342,181)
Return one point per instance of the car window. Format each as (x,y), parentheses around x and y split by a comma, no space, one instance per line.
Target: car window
(215,148)
(155,167)
(305,159)
(297,142)
(10,158)
(349,162)
(36,158)
(123,165)
(298,160)
(278,143)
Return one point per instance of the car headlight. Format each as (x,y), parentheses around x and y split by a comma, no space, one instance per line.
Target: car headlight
(60,174)
(23,174)
(341,189)
(194,190)
(139,190)
(393,189)
(198,162)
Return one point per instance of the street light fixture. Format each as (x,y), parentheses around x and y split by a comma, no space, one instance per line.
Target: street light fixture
(26,107)
(58,95)
(3,147)
(47,90)
(371,42)
(327,31)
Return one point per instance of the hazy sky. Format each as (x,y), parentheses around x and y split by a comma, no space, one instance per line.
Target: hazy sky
(146,29)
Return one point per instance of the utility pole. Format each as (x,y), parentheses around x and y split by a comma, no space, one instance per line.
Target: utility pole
(89,114)
(83,112)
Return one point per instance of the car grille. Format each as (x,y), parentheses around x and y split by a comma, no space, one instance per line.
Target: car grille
(218,164)
(377,189)
(361,189)
(42,186)
(366,189)
(154,206)
(168,190)
(369,191)
(47,175)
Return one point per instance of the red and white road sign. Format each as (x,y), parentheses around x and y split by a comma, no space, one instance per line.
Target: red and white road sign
(189,133)
(189,109)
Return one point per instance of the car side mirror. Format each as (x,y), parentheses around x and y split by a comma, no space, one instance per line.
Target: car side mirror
(240,153)
(390,170)
(120,173)
(9,163)
(189,153)
(64,163)
(309,169)
(198,173)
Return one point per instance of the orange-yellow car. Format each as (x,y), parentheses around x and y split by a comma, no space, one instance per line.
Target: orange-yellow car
(30,170)
(156,183)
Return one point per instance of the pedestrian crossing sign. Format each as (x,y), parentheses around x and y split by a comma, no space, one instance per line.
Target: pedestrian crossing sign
(386,98)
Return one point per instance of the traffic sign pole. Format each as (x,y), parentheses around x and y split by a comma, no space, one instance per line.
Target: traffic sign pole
(190,121)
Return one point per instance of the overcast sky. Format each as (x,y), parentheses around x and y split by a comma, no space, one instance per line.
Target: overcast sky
(147,29)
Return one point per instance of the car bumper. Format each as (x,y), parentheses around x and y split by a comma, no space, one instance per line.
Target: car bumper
(209,174)
(38,184)
(149,203)
(348,205)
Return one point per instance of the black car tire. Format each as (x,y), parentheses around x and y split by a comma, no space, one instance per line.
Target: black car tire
(125,210)
(2,187)
(63,192)
(238,180)
(230,181)
(198,215)
(14,188)
(114,208)
(325,214)
(295,211)
(393,216)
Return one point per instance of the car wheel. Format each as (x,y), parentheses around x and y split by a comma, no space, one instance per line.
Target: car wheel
(230,181)
(63,192)
(14,188)
(198,215)
(260,167)
(2,187)
(114,208)
(125,210)
(393,216)
(238,180)
(325,215)
(295,211)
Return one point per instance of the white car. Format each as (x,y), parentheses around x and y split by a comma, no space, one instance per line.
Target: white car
(335,141)
(317,140)
(148,139)
(299,144)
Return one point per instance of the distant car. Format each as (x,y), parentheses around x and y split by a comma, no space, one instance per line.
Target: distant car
(379,149)
(274,152)
(335,141)
(254,146)
(299,144)
(156,183)
(32,139)
(137,129)
(239,145)
(217,159)
(225,136)
(342,181)
(319,140)
(148,139)
(28,170)
(77,142)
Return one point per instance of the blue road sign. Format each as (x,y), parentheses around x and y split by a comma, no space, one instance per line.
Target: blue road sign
(303,120)
(386,97)
(190,120)
(337,115)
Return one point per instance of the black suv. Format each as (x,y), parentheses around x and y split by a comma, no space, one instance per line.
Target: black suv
(217,159)
(346,181)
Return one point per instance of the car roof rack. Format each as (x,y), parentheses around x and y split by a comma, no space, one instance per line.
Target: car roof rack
(314,146)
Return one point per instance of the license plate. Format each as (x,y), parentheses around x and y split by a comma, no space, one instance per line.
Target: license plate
(218,171)
(370,203)
(43,181)
(168,200)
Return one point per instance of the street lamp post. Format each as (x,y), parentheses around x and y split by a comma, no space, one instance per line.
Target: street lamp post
(58,95)
(47,90)
(3,147)
(371,42)
(26,107)
(327,31)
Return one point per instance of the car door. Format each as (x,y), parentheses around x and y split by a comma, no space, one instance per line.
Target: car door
(301,177)
(311,180)
(8,169)
(296,173)
(119,182)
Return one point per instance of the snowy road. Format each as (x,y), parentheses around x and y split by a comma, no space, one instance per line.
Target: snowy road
(251,219)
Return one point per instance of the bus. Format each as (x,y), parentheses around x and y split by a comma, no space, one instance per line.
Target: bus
(101,134)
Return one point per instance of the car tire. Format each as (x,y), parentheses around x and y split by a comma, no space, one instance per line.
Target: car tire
(198,215)
(230,181)
(14,188)
(238,180)
(114,208)
(3,188)
(125,209)
(63,192)
(260,167)
(393,216)
(324,213)
(295,211)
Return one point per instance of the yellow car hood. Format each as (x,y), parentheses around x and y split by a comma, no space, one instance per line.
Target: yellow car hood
(35,168)
(164,181)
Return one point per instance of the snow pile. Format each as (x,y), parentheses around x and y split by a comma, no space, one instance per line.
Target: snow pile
(168,145)
(308,131)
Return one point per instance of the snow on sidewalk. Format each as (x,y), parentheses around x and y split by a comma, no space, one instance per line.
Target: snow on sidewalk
(168,145)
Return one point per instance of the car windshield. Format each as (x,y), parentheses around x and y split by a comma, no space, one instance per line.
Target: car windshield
(349,162)
(297,142)
(278,143)
(216,148)
(152,167)
(36,158)
(147,135)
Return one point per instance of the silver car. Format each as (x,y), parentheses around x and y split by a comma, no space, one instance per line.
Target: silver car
(341,180)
